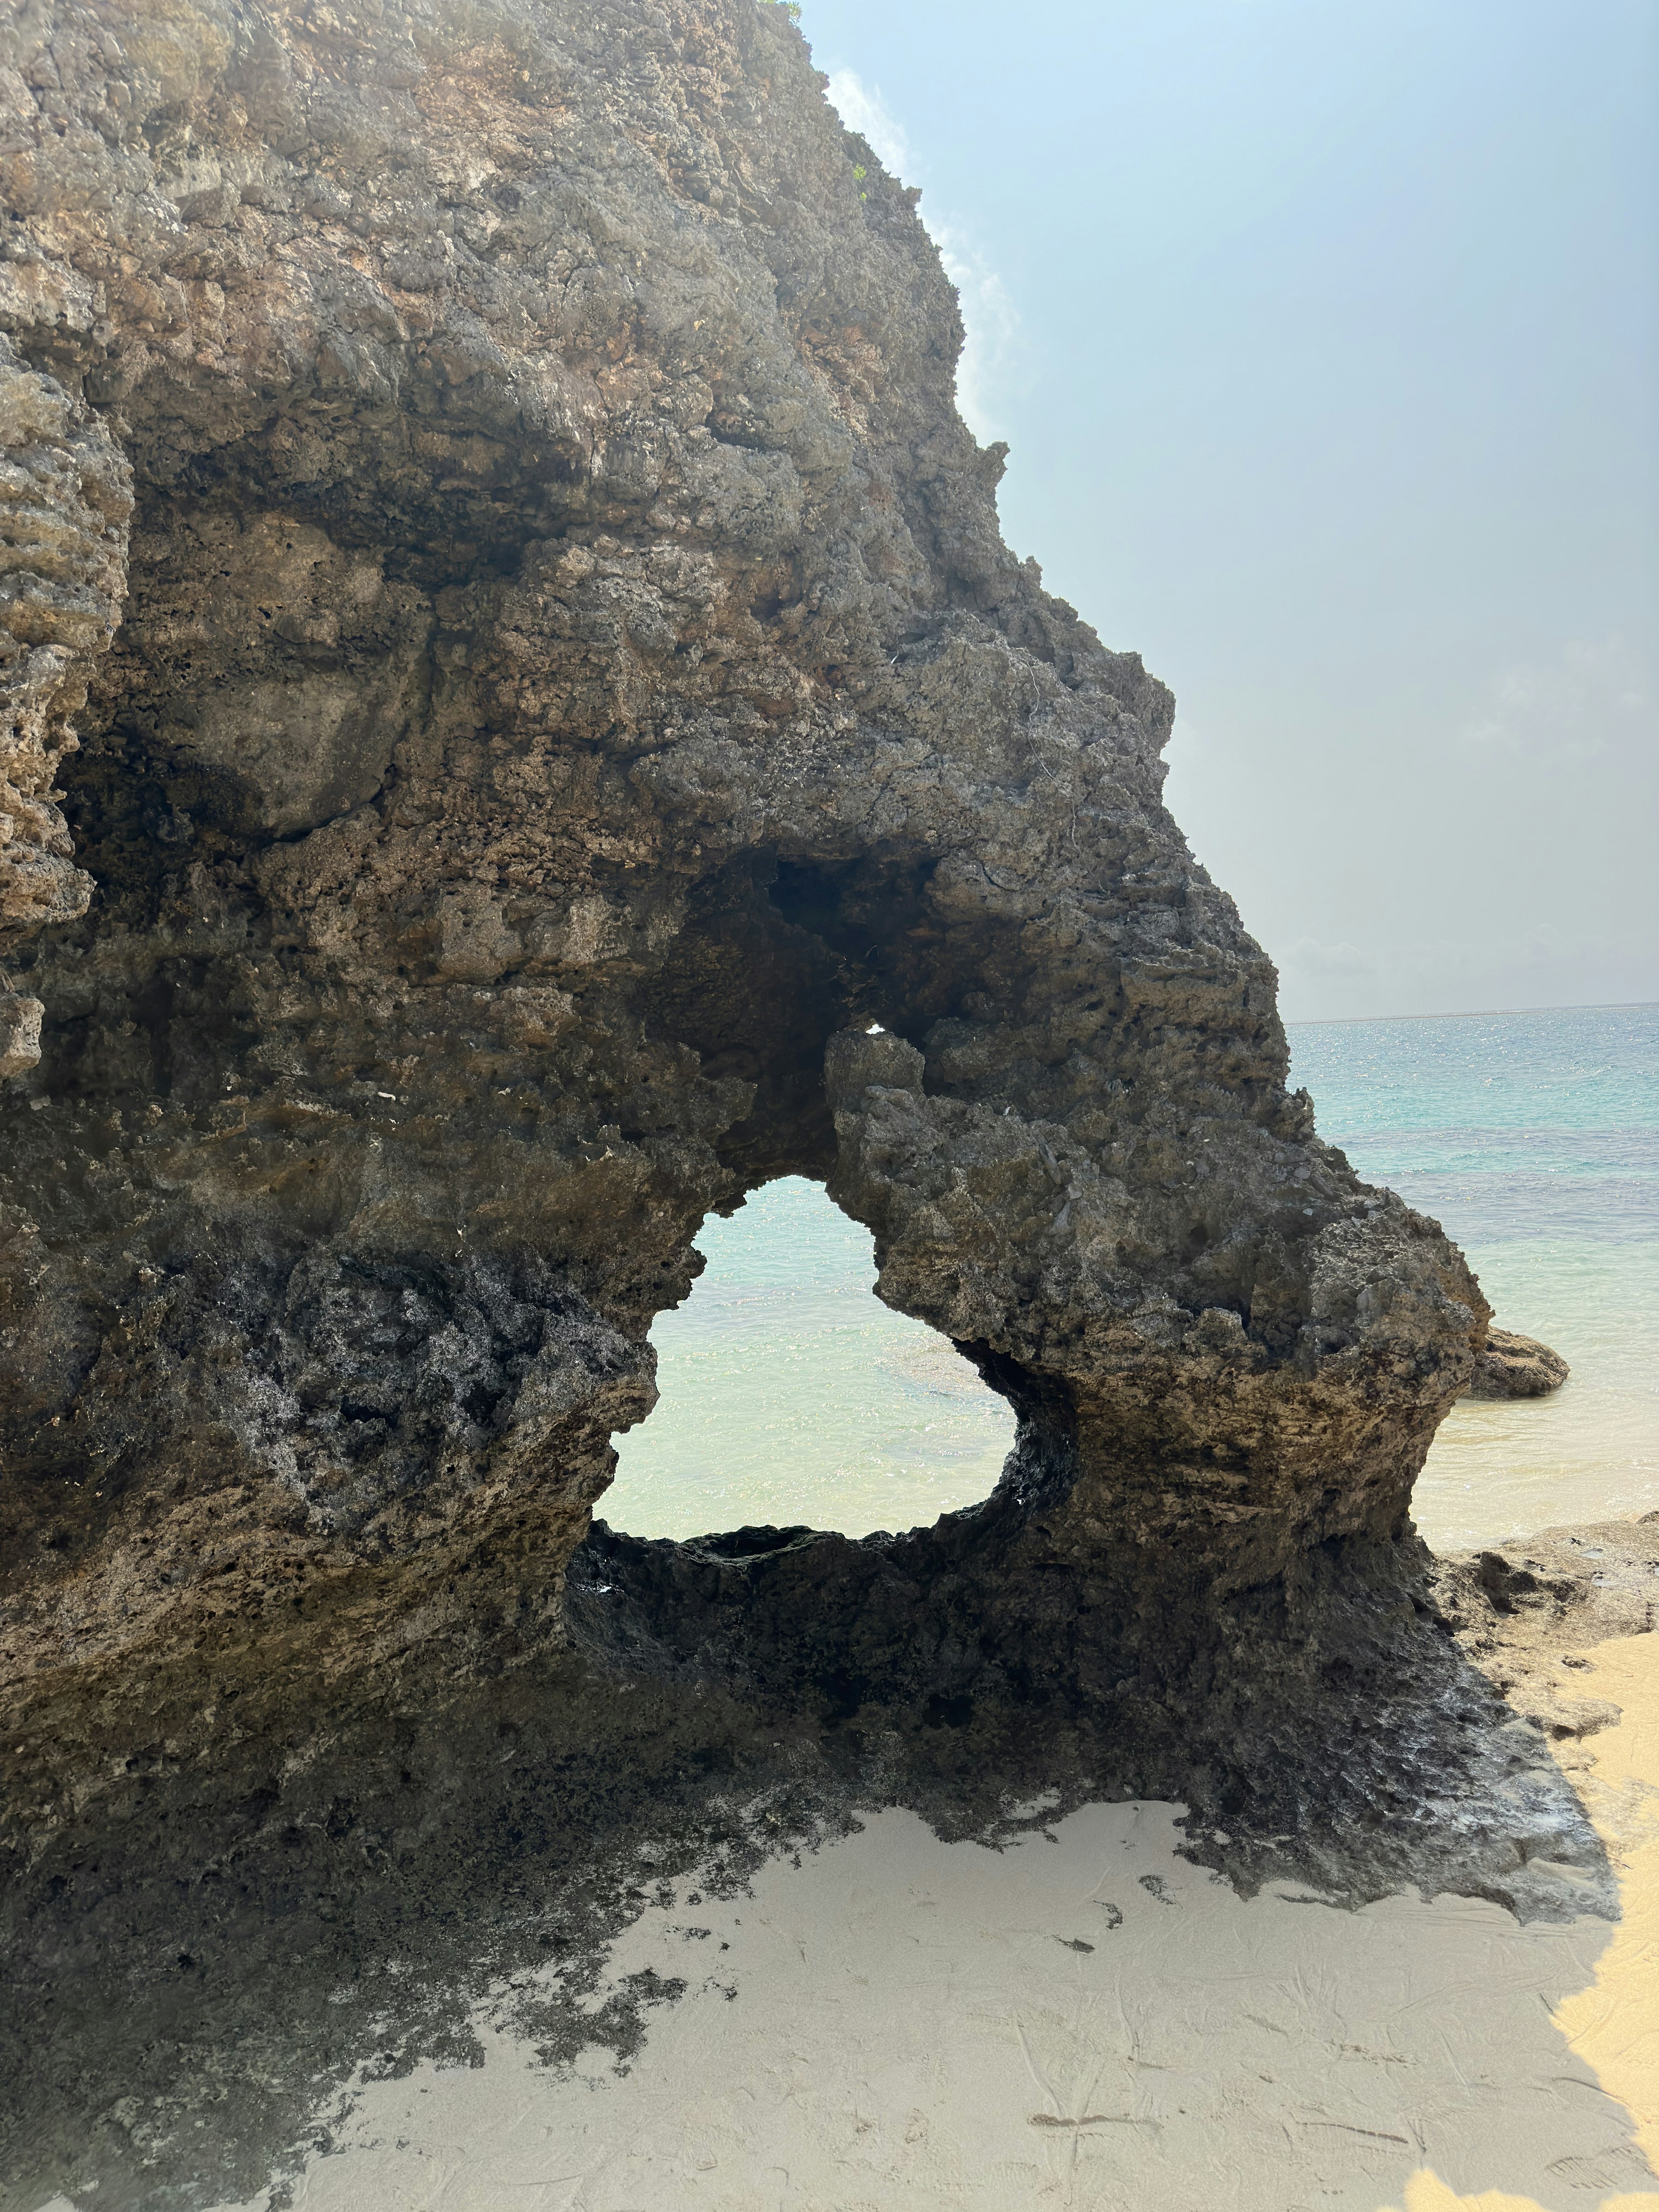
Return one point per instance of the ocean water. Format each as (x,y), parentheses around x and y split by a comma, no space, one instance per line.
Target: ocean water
(1534,1139)
(790,1394)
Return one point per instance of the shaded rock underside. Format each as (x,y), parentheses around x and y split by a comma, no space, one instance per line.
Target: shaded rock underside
(180,2036)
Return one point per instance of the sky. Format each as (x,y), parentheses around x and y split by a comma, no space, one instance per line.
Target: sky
(1325,336)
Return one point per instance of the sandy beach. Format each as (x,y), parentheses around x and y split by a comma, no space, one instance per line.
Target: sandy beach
(1083,2019)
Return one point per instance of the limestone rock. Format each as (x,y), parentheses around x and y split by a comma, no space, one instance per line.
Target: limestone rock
(65,498)
(576,746)
(1513,1366)
(20,1033)
(1526,1614)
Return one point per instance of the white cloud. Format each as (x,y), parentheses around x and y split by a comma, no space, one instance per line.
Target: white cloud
(861,108)
(1308,956)
(990,320)
(1442,958)
(990,353)
(1543,965)
(1590,697)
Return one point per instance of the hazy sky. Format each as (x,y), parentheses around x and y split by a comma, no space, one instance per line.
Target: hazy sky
(1326,338)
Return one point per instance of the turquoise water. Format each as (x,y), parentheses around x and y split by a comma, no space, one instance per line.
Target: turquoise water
(789,1394)
(1535,1139)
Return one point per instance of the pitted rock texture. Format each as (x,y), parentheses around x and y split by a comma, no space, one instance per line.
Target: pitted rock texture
(1514,1366)
(65,503)
(576,746)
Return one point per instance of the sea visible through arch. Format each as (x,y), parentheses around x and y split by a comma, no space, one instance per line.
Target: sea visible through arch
(791,1394)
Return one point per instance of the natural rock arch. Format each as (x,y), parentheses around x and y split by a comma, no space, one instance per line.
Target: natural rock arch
(570,687)
(788,1392)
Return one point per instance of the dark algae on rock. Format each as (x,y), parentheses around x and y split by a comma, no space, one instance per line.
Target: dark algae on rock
(561,741)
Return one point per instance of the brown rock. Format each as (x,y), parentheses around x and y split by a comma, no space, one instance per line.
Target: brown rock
(1527,1614)
(1512,1366)
(570,689)
(20,1033)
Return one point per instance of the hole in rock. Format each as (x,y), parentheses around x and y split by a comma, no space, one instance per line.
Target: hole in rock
(790,1394)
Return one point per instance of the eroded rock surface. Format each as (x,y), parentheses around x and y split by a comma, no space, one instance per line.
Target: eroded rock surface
(65,503)
(1514,1366)
(1525,1614)
(576,746)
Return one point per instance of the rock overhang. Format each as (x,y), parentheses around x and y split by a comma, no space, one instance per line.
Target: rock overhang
(569,687)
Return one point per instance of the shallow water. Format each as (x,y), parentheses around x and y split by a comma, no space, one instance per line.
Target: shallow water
(1535,1139)
(789,1394)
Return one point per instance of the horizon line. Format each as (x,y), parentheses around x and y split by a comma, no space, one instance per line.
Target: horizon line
(1476,1013)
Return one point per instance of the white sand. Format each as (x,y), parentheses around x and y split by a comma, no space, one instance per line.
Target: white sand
(899,2022)
(903,2022)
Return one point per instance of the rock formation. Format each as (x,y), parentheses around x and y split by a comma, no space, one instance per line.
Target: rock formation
(575,747)
(1512,1366)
